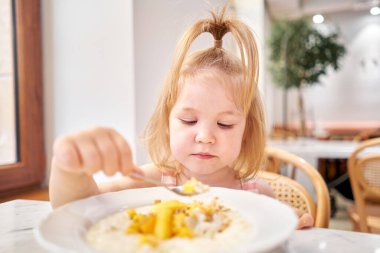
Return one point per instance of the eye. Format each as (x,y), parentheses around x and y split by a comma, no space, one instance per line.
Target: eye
(188,122)
(225,126)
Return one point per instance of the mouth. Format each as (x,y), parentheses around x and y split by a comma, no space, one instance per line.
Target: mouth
(203,156)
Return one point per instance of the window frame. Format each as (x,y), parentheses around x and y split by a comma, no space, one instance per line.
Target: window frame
(29,170)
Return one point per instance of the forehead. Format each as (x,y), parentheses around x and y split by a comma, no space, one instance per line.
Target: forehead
(200,87)
(206,93)
(211,77)
(212,81)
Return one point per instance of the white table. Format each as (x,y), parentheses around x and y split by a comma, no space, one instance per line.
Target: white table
(20,217)
(311,149)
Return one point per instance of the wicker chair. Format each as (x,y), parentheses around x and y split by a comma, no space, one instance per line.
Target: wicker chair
(364,172)
(292,192)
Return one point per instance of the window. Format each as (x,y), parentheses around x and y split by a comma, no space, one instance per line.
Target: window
(29,168)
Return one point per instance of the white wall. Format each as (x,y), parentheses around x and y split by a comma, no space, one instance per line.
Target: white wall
(353,93)
(88,67)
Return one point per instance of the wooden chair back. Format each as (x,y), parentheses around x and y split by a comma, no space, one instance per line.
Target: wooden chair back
(364,173)
(289,190)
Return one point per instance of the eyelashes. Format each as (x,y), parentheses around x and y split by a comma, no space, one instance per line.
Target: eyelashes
(188,122)
(193,122)
(225,126)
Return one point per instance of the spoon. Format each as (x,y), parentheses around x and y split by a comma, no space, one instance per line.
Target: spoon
(176,190)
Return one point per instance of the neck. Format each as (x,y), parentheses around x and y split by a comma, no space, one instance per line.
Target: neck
(221,178)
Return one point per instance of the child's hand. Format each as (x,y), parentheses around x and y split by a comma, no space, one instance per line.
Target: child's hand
(94,150)
(305,220)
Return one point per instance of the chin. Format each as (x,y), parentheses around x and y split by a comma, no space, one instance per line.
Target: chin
(203,170)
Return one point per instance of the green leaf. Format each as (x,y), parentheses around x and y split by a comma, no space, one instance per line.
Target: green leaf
(300,54)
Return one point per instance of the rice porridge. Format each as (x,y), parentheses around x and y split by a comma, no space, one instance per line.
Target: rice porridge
(171,226)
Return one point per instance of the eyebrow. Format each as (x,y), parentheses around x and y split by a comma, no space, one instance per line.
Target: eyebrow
(229,112)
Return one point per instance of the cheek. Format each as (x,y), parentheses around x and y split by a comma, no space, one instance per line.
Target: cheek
(234,147)
(235,141)
(174,140)
(179,138)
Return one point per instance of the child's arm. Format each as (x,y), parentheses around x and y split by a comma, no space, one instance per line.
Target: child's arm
(264,188)
(77,157)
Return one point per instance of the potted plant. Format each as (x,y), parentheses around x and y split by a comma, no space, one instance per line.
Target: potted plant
(300,55)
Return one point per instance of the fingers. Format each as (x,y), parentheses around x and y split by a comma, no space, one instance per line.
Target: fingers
(90,155)
(93,150)
(66,155)
(109,154)
(124,153)
(305,219)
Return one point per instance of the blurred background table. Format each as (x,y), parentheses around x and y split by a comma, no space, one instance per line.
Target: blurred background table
(312,149)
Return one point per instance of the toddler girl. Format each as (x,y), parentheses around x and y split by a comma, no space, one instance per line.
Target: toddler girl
(208,124)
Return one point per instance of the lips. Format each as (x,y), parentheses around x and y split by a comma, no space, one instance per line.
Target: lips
(203,156)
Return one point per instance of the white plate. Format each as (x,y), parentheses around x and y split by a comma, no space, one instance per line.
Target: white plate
(63,230)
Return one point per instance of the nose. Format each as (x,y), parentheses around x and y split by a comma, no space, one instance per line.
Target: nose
(205,135)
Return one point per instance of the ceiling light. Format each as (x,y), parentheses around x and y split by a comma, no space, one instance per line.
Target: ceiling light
(318,19)
(375,10)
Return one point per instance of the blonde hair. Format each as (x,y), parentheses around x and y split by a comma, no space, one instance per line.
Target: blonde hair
(242,75)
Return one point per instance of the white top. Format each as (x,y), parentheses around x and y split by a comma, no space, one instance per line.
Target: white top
(20,217)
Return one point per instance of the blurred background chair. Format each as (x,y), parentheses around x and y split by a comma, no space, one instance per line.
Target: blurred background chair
(289,190)
(364,173)
(367,134)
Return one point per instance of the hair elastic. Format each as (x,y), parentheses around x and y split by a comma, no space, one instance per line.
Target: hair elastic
(218,43)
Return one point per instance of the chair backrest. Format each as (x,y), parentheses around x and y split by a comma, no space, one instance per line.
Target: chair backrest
(364,172)
(289,190)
